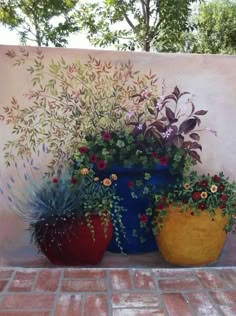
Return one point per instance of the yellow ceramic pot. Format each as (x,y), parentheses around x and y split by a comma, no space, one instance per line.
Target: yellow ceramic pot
(191,240)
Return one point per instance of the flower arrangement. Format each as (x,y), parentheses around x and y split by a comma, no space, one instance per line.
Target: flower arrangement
(60,200)
(200,193)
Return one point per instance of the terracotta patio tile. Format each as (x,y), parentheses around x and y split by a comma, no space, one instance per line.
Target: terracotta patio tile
(69,304)
(184,284)
(133,299)
(96,305)
(224,297)
(137,312)
(120,280)
(229,310)
(28,301)
(23,281)
(77,273)
(5,274)
(48,280)
(211,280)
(3,283)
(201,304)
(174,273)
(229,276)
(176,304)
(144,280)
(25,313)
(83,285)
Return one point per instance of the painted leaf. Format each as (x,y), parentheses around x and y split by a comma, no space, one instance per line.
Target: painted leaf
(170,114)
(195,155)
(178,141)
(195,136)
(176,92)
(201,112)
(195,145)
(187,126)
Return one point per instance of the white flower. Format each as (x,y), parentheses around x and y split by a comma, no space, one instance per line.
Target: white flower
(167,133)
(140,126)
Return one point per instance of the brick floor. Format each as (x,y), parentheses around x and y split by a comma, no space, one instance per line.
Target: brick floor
(117,292)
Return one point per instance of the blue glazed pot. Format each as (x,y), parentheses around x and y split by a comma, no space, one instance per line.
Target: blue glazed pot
(161,178)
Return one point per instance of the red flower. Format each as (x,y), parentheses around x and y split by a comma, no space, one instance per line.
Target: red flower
(93,158)
(216,178)
(160,206)
(222,206)
(164,198)
(107,136)
(196,196)
(55,180)
(73,181)
(221,188)
(131,184)
(224,197)
(204,183)
(185,200)
(163,161)
(202,206)
(154,155)
(83,150)
(102,165)
(144,218)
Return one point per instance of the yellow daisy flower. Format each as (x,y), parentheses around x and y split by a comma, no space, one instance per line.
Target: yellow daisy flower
(186,186)
(114,177)
(84,171)
(204,195)
(214,188)
(107,182)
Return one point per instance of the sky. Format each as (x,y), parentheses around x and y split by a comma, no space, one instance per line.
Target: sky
(8,37)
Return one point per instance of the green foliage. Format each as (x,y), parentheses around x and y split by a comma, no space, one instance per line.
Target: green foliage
(151,24)
(213,29)
(36,20)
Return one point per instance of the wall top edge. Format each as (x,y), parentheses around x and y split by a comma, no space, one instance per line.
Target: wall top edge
(110,51)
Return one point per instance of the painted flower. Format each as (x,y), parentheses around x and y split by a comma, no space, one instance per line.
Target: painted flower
(202,206)
(221,188)
(216,178)
(114,177)
(196,195)
(222,206)
(96,179)
(214,188)
(84,171)
(204,183)
(106,136)
(83,150)
(160,206)
(186,186)
(185,200)
(55,180)
(131,184)
(154,155)
(101,165)
(107,182)
(204,195)
(144,218)
(163,161)
(224,197)
(93,158)
(73,180)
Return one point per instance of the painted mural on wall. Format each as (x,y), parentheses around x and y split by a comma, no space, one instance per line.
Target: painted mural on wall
(52,98)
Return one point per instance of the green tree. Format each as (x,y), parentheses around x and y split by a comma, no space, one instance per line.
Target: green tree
(132,24)
(42,21)
(215,28)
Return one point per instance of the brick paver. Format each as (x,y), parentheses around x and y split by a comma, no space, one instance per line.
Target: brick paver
(117,292)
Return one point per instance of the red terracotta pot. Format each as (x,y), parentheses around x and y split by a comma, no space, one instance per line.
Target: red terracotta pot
(71,243)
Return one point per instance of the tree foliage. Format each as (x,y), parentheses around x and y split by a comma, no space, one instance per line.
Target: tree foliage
(216,28)
(44,22)
(145,24)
